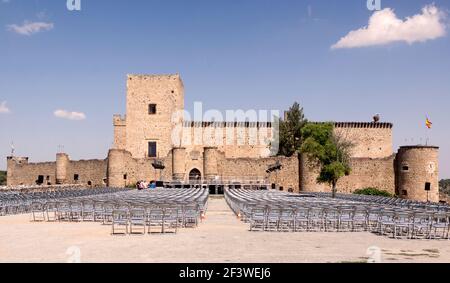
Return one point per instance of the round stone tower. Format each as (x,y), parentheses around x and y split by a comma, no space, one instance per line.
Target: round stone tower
(117,161)
(418,173)
(62,162)
(179,163)
(210,168)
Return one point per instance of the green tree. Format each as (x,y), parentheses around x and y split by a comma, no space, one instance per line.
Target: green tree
(327,150)
(290,131)
(444,186)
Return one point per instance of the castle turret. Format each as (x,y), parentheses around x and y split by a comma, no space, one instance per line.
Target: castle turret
(418,173)
(120,127)
(62,162)
(117,161)
(210,168)
(179,164)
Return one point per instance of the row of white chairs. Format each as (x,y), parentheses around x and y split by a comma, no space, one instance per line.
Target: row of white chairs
(127,209)
(278,211)
(12,203)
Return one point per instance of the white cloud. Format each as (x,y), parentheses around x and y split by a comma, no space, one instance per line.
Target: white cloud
(75,116)
(3,108)
(385,28)
(29,28)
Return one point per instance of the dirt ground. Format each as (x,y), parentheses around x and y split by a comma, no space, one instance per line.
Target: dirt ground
(221,238)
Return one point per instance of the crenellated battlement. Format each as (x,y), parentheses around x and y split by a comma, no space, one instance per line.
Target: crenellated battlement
(153,77)
(119,120)
(360,125)
(17,160)
(364,125)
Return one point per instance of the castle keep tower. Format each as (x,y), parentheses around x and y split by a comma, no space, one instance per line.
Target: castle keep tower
(152,101)
(418,173)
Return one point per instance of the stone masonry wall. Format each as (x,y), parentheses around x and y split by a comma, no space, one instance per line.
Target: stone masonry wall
(288,177)
(371,140)
(366,172)
(235,140)
(27,173)
(124,170)
(93,171)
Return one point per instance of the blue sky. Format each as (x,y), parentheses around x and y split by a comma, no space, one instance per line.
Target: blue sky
(248,54)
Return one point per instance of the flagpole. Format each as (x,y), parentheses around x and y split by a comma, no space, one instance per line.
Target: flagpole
(429,126)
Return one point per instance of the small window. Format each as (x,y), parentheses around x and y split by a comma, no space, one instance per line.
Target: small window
(152,149)
(40,180)
(404,192)
(405,167)
(125,176)
(89,183)
(152,109)
(76,177)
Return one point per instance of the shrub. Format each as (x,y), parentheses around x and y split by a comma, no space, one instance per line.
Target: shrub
(372,192)
(131,186)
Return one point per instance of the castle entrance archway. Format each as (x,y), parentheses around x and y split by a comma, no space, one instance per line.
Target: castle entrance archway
(195,176)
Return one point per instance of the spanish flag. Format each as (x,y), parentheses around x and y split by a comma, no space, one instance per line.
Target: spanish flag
(428,123)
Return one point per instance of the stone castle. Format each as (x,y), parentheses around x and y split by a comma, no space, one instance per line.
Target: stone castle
(227,152)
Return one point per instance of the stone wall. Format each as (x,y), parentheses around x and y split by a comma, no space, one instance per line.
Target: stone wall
(124,170)
(255,169)
(88,171)
(366,172)
(20,172)
(236,140)
(371,140)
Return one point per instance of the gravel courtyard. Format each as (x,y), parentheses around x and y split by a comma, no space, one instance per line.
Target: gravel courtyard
(221,238)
